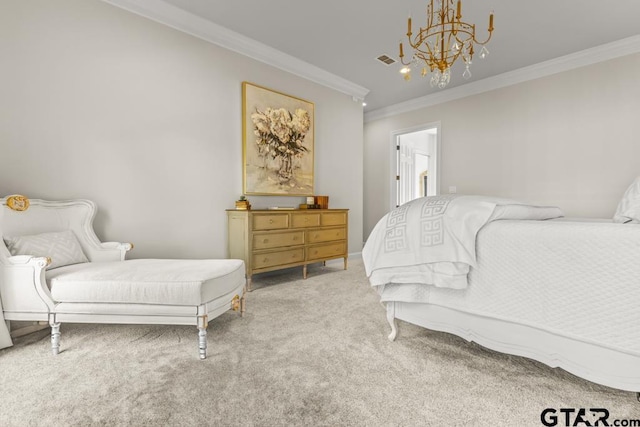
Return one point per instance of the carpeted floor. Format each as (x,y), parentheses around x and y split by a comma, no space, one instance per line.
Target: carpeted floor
(307,353)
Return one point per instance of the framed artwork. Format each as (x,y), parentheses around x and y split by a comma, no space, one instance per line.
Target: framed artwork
(277,143)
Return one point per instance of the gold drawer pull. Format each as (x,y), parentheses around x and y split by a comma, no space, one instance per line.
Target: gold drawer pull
(316,236)
(295,237)
(266,260)
(270,221)
(338,233)
(265,241)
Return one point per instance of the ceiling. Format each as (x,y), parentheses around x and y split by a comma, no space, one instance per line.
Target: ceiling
(344,37)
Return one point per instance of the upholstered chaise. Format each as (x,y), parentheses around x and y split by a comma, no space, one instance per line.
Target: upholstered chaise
(53,268)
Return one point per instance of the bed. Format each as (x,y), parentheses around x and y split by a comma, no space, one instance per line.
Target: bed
(518,279)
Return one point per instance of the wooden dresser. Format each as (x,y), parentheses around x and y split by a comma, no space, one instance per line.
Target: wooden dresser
(270,239)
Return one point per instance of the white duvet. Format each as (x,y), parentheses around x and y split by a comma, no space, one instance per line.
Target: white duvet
(432,240)
(574,278)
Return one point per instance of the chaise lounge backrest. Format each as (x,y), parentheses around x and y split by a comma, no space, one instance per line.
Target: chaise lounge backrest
(41,216)
(24,293)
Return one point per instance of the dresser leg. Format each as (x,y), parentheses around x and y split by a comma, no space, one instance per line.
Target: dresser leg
(249,284)
(304,271)
(242,304)
(345,262)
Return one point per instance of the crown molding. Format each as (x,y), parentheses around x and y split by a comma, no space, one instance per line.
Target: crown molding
(572,61)
(174,17)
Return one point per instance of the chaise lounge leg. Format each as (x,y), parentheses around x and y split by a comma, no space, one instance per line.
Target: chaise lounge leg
(391,318)
(55,338)
(203,322)
(202,342)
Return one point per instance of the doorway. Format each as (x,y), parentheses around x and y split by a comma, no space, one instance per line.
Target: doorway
(415,162)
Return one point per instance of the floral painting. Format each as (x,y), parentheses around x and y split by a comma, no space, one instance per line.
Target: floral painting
(277,143)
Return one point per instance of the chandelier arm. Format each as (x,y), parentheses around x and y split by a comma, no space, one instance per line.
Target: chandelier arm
(484,42)
(451,18)
(430,14)
(490,30)
(442,48)
(423,45)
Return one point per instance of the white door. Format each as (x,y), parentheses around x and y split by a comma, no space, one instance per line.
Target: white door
(415,158)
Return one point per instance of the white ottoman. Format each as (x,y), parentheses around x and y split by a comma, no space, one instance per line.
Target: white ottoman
(161,291)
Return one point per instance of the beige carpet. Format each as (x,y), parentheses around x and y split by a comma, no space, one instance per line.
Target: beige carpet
(308,352)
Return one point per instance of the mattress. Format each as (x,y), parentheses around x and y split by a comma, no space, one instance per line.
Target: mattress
(579,279)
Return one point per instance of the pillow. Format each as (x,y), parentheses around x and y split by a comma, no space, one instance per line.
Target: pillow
(629,207)
(62,247)
(522,211)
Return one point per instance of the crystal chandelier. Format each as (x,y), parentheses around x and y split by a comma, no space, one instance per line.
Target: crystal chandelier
(445,38)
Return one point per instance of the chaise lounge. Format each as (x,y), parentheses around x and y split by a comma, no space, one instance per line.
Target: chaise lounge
(53,268)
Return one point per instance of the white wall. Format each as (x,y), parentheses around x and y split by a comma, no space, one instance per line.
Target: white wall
(99,103)
(571,139)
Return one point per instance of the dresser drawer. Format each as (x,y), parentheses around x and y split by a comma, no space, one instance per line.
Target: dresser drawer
(326,251)
(305,220)
(334,218)
(317,236)
(270,259)
(276,240)
(270,221)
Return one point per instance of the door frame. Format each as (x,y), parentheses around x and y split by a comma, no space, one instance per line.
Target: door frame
(393,157)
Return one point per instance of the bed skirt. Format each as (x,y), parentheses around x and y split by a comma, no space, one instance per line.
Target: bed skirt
(589,360)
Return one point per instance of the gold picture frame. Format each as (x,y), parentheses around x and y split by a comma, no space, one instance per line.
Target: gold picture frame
(277,143)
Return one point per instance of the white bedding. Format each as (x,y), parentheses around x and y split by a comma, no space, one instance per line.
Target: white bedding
(432,240)
(576,279)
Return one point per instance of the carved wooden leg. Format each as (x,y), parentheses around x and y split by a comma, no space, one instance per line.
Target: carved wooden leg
(304,271)
(55,338)
(203,322)
(345,262)
(202,342)
(391,318)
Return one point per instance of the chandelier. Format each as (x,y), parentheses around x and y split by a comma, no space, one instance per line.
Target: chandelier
(445,39)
